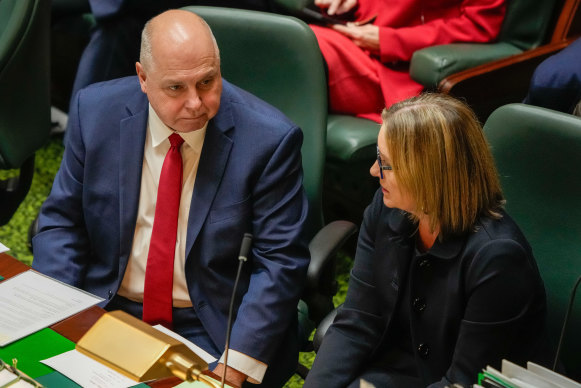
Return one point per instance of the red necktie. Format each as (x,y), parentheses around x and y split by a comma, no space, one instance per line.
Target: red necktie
(157,293)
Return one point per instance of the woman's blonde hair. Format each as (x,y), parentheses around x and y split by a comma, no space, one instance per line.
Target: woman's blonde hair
(440,157)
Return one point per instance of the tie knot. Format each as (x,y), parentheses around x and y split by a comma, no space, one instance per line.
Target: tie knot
(175,140)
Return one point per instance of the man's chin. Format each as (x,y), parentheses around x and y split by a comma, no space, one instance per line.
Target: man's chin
(190,125)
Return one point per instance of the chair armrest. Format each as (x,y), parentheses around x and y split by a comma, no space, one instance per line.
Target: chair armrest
(323,327)
(430,65)
(350,138)
(504,81)
(324,247)
(512,65)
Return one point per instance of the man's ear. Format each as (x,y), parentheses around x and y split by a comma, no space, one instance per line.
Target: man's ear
(141,75)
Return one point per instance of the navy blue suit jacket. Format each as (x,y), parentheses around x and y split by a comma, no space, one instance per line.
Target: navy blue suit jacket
(249,179)
(556,82)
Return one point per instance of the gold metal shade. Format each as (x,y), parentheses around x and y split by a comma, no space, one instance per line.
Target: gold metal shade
(140,352)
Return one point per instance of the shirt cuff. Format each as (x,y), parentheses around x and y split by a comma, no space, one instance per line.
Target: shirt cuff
(251,367)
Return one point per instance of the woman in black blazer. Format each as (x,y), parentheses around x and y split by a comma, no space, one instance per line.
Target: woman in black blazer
(444,283)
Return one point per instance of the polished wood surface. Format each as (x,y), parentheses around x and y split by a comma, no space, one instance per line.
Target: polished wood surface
(9,266)
(568,23)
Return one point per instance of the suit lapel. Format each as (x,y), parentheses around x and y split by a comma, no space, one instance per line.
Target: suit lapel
(132,134)
(211,169)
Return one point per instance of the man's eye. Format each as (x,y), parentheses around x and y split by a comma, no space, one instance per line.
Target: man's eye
(174,87)
(206,82)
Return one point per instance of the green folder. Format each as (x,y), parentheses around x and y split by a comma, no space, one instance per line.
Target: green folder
(57,380)
(30,350)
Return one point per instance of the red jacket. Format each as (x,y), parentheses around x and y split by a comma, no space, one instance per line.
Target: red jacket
(409,25)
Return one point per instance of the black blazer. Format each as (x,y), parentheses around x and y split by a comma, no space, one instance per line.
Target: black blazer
(482,300)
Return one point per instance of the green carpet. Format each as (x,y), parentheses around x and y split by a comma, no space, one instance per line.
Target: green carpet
(15,234)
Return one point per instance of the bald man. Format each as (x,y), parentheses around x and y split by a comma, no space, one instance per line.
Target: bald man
(241,173)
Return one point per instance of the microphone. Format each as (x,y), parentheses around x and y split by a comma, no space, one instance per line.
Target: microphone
(242,258)
(566,322)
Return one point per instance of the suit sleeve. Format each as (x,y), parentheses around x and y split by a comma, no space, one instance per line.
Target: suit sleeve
(280,255)
(358,326)
(61,246)
(502,315)
(478,21)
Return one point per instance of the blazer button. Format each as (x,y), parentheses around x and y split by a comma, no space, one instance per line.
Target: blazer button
(110,294)
(423,350)
(425,264)
(419,304)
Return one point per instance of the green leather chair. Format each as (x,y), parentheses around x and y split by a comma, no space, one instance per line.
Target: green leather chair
(538,156)
(24,95)
(277,59)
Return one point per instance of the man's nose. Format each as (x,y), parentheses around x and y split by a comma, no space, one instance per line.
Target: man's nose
(193,100)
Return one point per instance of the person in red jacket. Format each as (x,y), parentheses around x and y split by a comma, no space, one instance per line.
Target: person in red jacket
(368,64)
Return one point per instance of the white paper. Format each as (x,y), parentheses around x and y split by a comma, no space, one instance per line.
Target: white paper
(523,377)
(21,384)
(3,248)
(198,384)
(552,376)
(6,376)
(87,372)
(193,347)
(31,301)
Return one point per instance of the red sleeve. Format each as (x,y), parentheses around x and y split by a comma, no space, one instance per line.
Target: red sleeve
(478,21)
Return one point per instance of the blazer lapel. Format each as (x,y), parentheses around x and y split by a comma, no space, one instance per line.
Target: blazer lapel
(132,134)
(211,170)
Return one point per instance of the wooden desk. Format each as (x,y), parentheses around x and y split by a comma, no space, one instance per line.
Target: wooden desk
(75,326)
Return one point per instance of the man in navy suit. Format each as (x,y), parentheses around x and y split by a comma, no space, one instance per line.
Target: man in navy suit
(241,173)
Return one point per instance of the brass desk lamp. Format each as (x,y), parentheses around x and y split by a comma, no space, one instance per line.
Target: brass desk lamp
(140,352)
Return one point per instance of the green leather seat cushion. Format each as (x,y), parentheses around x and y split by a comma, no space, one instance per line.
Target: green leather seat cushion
(350,138)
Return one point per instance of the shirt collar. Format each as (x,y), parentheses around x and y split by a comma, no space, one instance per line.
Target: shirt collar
(160,132)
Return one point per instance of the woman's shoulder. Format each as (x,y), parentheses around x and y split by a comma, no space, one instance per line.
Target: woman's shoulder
(498,237)
(500,228)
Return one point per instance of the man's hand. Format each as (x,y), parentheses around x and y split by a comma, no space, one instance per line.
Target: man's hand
(366,37)
(232,375)
(336,6)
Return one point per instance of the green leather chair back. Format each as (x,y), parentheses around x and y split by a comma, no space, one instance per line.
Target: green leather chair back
(24,79)
(538,156)
(277,59)
(526,22)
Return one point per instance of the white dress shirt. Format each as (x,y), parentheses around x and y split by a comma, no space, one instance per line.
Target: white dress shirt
(156,147)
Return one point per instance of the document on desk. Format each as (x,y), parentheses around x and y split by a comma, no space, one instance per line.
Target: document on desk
(87,372)
(31,301)
(193,347)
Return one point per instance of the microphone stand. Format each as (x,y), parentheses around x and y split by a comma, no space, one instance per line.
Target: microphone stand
(566,322)
(242,257)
